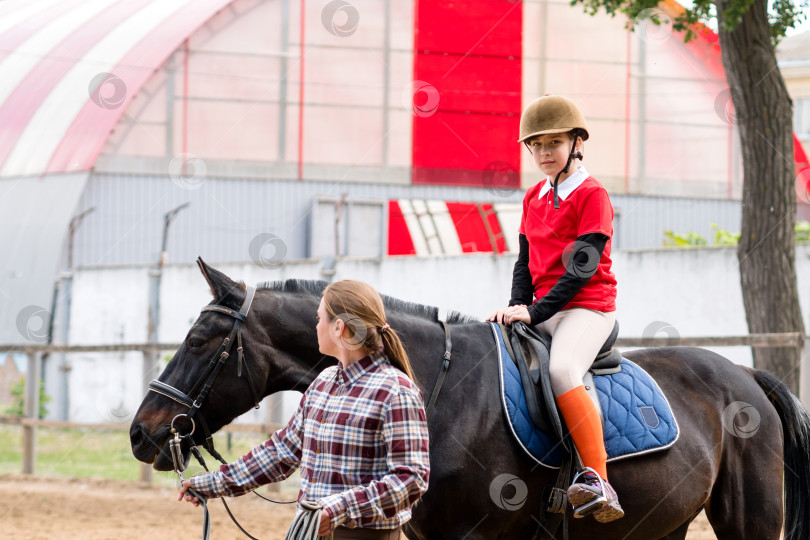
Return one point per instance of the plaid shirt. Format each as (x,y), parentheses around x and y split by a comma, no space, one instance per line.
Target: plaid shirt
(360,437)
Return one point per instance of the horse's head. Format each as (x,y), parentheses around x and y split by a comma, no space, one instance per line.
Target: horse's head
(279,349)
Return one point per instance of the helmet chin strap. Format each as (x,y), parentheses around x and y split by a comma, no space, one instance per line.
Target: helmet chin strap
(571,156)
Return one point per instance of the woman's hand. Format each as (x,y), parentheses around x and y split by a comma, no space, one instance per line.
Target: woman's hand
(184,495)
(511,314)
(326,524)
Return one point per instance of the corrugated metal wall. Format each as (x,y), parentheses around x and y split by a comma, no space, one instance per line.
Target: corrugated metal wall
(225,215)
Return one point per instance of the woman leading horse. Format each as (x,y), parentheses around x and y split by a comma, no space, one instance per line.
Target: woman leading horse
(359,435)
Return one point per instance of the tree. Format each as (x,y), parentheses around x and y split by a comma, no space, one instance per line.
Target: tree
(766,252)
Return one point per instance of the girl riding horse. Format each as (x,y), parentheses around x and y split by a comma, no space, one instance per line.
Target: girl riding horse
(564,263)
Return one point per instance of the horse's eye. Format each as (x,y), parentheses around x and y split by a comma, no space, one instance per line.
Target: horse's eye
(195,342)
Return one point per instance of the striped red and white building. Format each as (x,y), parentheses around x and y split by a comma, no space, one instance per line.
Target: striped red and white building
(250,110)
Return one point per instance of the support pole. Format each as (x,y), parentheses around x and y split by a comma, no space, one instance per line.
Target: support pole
(32,378)
(804,374)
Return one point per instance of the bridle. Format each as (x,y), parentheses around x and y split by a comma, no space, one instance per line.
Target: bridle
(203,385)
(200,390)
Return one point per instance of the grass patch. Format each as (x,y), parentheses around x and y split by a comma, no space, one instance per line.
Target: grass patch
(91,453)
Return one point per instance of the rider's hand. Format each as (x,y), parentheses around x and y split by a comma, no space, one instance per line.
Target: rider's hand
(326,524)
(183,495)
(511,314)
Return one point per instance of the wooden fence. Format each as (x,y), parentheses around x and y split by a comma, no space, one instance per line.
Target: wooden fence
(151,351)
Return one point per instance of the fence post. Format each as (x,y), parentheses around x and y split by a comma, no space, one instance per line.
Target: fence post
(804,373)
(274,416)
(149,373)
(31,411)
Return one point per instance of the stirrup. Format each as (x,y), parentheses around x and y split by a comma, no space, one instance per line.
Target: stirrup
(597,503)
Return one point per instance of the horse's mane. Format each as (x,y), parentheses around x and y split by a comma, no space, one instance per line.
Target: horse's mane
(315,288)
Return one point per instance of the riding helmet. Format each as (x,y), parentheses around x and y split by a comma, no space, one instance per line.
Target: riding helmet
(551,114)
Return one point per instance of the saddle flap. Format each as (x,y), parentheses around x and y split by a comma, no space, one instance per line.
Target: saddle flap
(607,365)
(531,355)
(607,346)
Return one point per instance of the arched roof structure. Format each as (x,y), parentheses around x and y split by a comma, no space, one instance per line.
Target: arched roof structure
(58,98)
(58,104)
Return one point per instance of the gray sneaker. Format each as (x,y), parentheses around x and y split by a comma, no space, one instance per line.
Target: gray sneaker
(594,496)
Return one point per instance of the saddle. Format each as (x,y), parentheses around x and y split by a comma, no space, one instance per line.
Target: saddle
(529,348)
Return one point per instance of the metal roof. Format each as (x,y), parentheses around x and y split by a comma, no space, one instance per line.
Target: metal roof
(71,67)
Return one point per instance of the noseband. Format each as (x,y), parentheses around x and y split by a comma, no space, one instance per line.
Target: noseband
(203,385)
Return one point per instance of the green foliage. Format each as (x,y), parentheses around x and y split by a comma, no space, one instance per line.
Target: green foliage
(683,240)
(17,407)
(723,237)
(802,231)
(783,14)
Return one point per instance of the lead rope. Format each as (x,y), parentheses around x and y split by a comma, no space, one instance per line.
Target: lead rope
(179,466)
(307,522)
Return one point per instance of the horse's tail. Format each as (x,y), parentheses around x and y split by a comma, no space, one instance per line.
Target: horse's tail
(796,428)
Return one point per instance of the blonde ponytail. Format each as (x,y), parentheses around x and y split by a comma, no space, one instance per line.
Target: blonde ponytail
(360,307)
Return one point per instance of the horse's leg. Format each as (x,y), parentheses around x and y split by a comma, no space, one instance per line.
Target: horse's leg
(747,512)
(746,501)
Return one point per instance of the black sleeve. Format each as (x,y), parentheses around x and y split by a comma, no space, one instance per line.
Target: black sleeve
(582,264)
(522,287)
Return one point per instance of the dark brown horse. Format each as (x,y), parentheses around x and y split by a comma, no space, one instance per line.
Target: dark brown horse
(742,454)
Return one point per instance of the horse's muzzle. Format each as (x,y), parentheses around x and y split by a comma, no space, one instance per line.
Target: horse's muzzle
(152,449)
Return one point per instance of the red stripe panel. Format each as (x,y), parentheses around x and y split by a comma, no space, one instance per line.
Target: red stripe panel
(399,237)
(802,171)
(470,27)
(22,104)
(472,233)
(465,141)
(799,155)
(87,135)
(12,38)
(469,52)
(483,84)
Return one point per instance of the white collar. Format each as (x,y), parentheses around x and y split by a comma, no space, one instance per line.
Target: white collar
(566,188)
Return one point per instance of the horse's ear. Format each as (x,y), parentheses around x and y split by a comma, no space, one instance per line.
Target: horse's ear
(222,287)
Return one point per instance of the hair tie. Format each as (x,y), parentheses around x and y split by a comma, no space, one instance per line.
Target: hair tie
(384,327)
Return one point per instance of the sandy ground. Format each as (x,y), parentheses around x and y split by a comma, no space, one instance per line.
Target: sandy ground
(64,508)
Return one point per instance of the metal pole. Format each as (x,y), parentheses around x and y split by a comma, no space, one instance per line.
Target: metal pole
(66,293)
(151,357)
(804,373)
(642,115)
(32,377)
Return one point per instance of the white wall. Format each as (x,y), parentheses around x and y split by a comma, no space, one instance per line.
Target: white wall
(695,291)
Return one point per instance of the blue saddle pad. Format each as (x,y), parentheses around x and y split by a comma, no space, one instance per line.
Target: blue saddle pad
(637,418)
